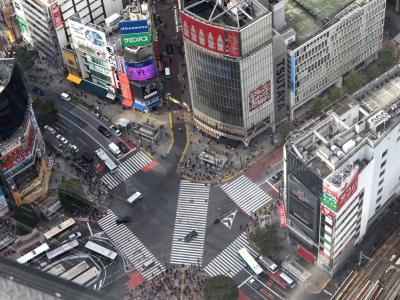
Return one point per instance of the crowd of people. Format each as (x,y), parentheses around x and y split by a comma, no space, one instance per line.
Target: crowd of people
(177,282)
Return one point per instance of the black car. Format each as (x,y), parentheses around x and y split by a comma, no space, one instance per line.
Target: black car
(124,148)
(191,235)
(38,91)
(122,220)
(104,131)
(170,49)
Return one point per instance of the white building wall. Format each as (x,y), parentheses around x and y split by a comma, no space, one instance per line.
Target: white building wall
(112,7)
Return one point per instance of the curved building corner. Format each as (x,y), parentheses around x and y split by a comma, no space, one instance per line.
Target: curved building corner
(228,49)
(23,158)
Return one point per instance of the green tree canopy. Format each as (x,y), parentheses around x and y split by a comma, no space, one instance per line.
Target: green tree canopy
(387,57)
(220,288)
(354,81)
(285,128)
(317,106)
(26,219)
(46,113)
(372,72)
(334,93)
(73,197)
(25,57)
(268,241)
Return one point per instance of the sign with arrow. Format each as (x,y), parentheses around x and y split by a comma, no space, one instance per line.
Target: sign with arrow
(228,220)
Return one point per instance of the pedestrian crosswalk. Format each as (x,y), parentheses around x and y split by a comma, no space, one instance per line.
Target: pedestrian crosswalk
(126,169)
(191,215)
(397,38)
(228,261)
(246,194)
(141,258)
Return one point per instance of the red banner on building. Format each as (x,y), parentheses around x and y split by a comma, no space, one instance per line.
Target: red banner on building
(233,43)
(282,215)
(348,190)
(56,15)
(327,212)
(125,89)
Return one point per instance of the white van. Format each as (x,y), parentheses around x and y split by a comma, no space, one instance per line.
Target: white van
(167,72)
(134,197)
(65,96)
(114,149)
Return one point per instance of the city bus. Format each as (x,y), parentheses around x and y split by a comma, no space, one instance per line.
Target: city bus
(85,277)
(34,253)
(250,261)
(62,249)
(59,228)
(75,270)
(57,270)
(101,250)
(106,159)
(268,264)
(291,283)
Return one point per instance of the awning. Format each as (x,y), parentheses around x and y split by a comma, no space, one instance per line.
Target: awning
(74,78)
(127,102)
(307,255)
(93,88)
(111,96)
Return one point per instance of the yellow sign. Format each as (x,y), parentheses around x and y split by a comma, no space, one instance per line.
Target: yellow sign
(10,36)
(70,60)
(173,100)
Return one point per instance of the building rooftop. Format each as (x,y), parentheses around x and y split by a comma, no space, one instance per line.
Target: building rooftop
(365,117)
(6,66)
(308,17)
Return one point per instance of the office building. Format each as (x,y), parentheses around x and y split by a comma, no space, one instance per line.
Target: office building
(23,159)
(340,173)
(42,22)
(228,50)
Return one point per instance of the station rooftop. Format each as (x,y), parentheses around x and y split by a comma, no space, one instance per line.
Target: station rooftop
(6,66)
(362,119)
(309,17)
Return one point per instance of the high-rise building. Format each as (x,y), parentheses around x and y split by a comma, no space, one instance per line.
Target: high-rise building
(23,159)
(42,22)
(339,170)
(228,50)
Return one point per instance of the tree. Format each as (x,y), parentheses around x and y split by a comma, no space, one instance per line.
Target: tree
(285,129)
(372,72)
(387,56)
(73,197)
(317,106)
(25,57)
(353,82)
(46,113)
(268,240)
(220,288)
(26,219)
(334,93)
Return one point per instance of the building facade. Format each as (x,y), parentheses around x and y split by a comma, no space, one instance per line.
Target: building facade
(42,22)
(338,175)
(228,51)
(23,158)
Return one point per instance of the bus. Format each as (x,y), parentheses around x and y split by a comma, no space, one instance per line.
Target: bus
(75,271)
(250,261)
(85,277)
(34,253)
(268,264)
(57,270)
(101,250)
(59,228)
(62,249)
(291,283)
(106,159)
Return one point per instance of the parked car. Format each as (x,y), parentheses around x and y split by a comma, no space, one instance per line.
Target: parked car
(50,129)
(74,236)
(73,147)
(104,131)
(116,130)
(64,96)
(62,139)
(190,236)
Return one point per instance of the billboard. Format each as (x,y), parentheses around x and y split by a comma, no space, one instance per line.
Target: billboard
(212,38)
(70,60)
(120,63)
(282,215)
(260,96)
(127,27)
(136,39)
(327,212)
(125,87)
(145,72)
(56,15)
(88,39)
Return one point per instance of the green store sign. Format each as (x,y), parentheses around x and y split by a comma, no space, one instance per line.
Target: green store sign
(136,39)
(22,24)
(329,201)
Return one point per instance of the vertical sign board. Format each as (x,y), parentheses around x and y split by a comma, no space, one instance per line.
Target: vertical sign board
(3,203)
(327,212)
(349,189)
(282,215)
(233,43)
(125,87)
(259,97)
(56,15)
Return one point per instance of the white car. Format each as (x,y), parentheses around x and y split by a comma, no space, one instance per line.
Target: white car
(116,130)
(62,139)
(51,129)
(74,236)
(75,148)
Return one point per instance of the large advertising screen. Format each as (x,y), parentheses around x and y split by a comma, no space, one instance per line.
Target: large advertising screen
(139,72)
(56,15)
(259,97)
(136,39)
(127,27)
(212,38)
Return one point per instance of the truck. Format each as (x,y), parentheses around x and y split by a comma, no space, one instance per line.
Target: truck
(114,149)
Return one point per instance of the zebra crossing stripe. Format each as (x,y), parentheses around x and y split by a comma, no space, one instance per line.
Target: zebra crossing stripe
(246,194)
(228,261)
(126,169)
(191,214)
(130,246)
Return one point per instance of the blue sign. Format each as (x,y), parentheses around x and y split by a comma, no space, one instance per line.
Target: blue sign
(293,73)
(127,27)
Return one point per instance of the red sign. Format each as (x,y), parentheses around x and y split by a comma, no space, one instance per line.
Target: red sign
(125,87)
(327,212)
(56,15)
(210,37)
(282,215)
(348,190)
(260,96)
